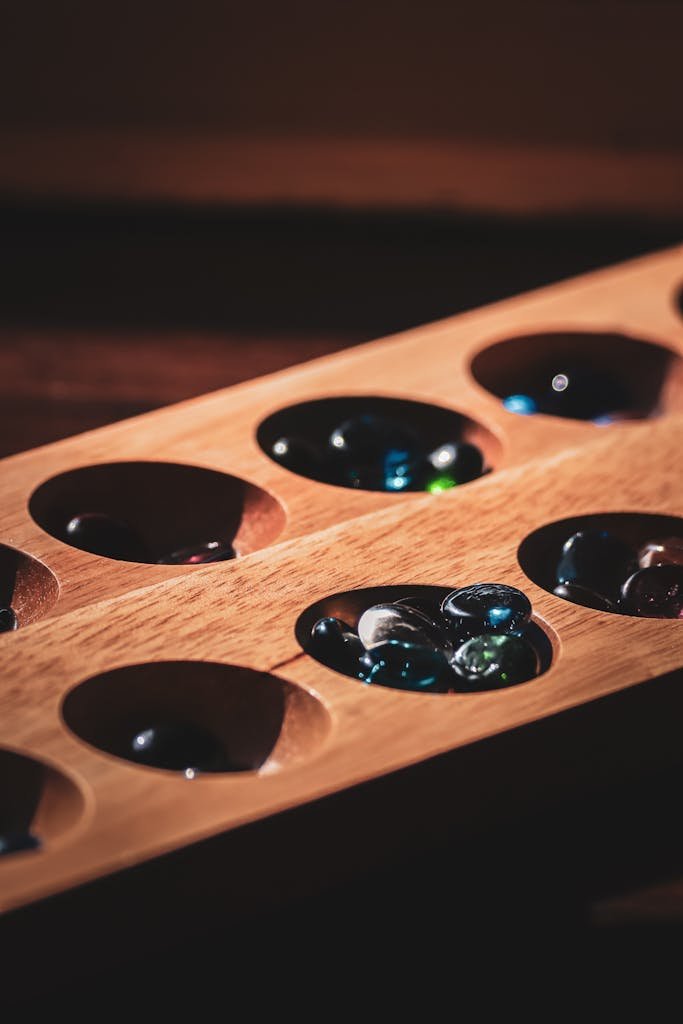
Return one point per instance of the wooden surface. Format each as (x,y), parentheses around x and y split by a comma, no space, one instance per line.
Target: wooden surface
(244,612)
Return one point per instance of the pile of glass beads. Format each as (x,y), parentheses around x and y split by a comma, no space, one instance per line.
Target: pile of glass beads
(600,570)
(475,639)
(102,534)
(375,453)
(576,392)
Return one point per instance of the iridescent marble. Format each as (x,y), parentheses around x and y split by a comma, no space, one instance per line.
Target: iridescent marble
(335,644)
(582,595)
(668,551)
(178,747)
(655,592)
(373,453)
(17,842)
(406,666)
(101,534)
(384,622)
(200,554)
(486,608)
(596,560)
(491,662)
(8,620)
(459,461)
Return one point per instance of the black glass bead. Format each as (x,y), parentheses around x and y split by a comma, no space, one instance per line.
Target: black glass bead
(8,620)
(406,666)
(298,455)
(428,606)
(492,662)
(103,535)
(384,622)
(16,842)
(655,592)
(486,608)
(335,644)
(460,460)
(582,595)
(200,554)
(597,560)
(178,747)
(373,453)
(581,392)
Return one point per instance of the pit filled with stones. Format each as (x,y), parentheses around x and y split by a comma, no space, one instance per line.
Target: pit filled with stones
(625,563)
(379,444)
(429,639)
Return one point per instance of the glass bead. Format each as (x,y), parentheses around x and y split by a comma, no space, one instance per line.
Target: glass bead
(655,592)
(373,453)
(596,560)
(581,392)
(491,662)
(8,620)
(298,455)
(335,644)
(385,622)
(523,405)
(178,747)
(582,595)
(668,551)
(486,608)
(101,534)
(406,666)
(428,606)
(17,842)
(459,461)
(200,554)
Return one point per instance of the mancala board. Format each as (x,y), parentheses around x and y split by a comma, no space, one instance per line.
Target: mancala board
(106,643)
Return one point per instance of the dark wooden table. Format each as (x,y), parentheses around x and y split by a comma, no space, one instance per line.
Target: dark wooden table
(110,311)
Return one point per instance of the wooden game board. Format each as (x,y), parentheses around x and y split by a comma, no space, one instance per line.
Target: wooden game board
(301,541)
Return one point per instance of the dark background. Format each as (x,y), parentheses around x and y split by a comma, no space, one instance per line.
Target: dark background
(192,195)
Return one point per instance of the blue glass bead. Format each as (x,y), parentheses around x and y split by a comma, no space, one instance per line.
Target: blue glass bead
(582,595)
(335,644)
(486,608)
(200,554)
(373,453)
(459,462)
(179,747)
(656,592)
(492,662)
(17,842)
(101,534)
(596,560)
(406,666)
(8,620)
(523,405)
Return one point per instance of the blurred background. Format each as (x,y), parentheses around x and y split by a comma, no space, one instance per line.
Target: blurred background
(178,179)
(194,194)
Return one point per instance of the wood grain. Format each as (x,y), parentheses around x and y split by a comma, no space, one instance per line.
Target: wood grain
(111,615)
